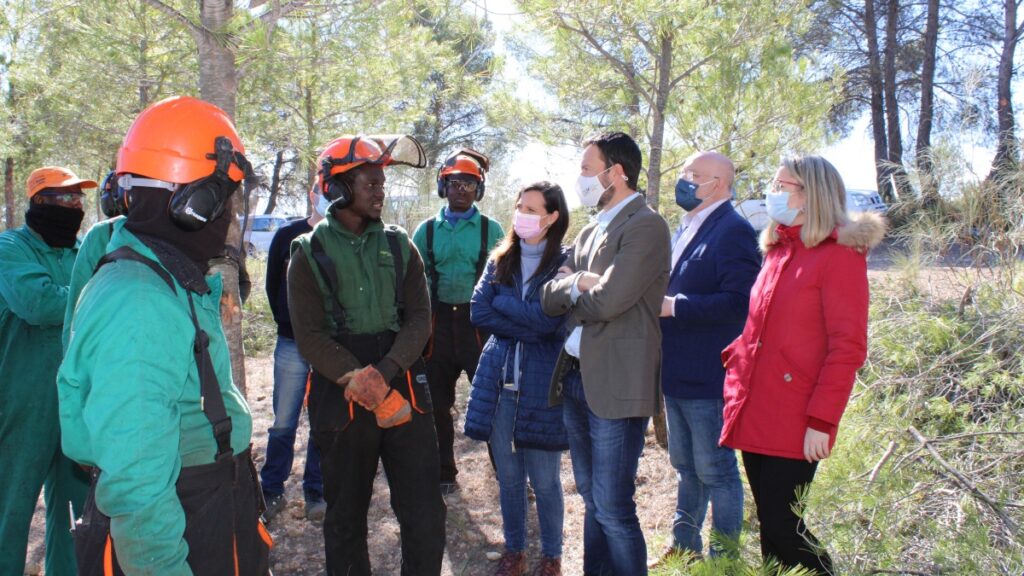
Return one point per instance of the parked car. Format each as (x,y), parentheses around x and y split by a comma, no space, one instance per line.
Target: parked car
(857,200)
(863,200)
(260,231)
(754,211)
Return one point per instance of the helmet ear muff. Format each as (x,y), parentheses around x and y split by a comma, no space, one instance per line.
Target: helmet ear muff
(199,203)
(334,189)
(203,200)
(113,200)
(442,187)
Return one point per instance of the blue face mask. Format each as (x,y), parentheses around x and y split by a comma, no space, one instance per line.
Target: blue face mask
(686,194)
(777,206)
(322,205)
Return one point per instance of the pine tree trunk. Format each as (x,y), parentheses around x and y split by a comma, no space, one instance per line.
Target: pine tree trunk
(1007,155)
(877,103)
(275,183)
(218,85)
(897,174)
(9,203)
(658,119)
(923,146)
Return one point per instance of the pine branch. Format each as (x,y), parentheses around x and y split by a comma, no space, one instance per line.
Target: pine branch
(173,14)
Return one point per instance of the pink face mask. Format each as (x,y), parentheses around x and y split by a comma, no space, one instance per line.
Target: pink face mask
(527,226)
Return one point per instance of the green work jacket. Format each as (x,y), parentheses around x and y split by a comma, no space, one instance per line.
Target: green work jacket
(366,268)
(33,293)
(92,247)
(456,252)
(130,403)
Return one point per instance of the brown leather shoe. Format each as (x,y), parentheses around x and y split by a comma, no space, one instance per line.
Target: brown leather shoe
(673,554)
(548,567)
(511,564)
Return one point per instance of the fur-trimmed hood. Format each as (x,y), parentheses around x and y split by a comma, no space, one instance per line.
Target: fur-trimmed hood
(864,231)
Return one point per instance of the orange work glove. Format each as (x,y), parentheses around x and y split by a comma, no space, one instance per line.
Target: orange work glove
(368,388)
(393,411)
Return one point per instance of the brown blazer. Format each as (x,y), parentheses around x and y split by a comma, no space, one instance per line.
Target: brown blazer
(621,341)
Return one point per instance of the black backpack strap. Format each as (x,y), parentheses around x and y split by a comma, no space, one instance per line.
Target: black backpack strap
(431,261)
(211,401)
(396,254)
(329,272)
(128,253)
(481,260)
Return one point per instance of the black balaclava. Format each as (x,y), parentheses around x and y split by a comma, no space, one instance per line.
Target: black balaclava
(58,225)
(148,216)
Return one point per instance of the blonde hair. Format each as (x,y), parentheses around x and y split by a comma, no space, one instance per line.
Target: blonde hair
(825,209)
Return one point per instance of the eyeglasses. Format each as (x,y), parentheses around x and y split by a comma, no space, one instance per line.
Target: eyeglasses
(464,185)
(63,197)
(777,184)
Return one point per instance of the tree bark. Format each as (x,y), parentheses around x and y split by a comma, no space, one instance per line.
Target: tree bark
(218,84)
(923,146)
(1007,155)
(658,117)
(877,103)
(897,174)
(9,204)
(275,182)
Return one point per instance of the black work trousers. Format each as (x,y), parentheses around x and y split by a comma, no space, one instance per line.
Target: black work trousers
(222,502)
(778,485)
(349,465)
(454,348)
(351,444)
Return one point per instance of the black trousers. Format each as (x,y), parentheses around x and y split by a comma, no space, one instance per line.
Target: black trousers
(222,503)
(349,464)
(777,485)
(351,444)
(454,348)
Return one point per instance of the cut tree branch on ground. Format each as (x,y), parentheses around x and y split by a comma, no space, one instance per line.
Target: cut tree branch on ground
(1007,523)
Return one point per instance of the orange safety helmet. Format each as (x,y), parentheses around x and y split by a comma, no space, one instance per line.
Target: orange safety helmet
(173,140)
(465,161)
(189,147)
(341,155)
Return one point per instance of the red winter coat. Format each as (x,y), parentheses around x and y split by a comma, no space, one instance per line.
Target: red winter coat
(803,342)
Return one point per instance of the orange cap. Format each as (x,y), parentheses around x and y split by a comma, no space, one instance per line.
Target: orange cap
(54,177)
(171,139)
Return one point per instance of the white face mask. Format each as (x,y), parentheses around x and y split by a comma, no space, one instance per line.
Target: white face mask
(777,206)
(589,189)
(322,204)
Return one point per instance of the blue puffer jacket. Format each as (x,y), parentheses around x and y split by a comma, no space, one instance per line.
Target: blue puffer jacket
(513,320)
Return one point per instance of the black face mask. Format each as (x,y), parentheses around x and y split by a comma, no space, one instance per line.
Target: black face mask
(148,215)
(58,225)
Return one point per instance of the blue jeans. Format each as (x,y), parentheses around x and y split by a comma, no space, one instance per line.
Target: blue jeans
(707,472)
(605,455)
(514,466)
(290,373)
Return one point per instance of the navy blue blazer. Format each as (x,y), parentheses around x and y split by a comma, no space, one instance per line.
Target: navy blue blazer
(711,285)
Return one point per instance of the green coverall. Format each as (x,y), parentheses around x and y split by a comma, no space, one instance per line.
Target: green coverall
(33,295)
(92,247)
(130,403)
